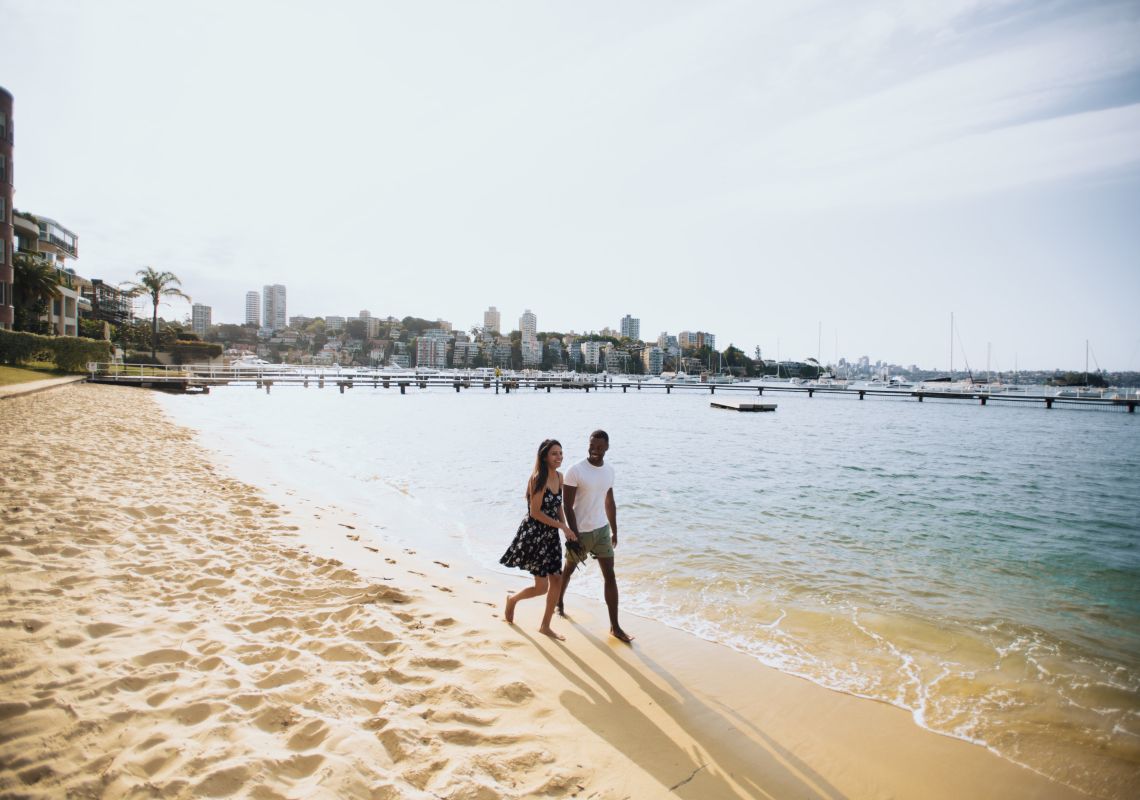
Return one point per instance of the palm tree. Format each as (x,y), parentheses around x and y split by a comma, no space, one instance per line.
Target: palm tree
(157,285)
(35,284)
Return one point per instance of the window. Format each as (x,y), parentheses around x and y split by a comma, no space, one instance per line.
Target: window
(3,169)
(3,126)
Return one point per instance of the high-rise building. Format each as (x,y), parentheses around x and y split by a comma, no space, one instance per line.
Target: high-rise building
(491,320)
(200,318)
(531,351)
(653,358)
(690,339)
(7,245)
(273,307)
(431,349)
(591,351)
(630,327)
(252,308)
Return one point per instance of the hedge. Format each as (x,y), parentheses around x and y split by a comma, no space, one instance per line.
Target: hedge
(69,353)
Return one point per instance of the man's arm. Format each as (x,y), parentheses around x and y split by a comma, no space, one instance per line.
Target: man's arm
(611,515)
(568,493)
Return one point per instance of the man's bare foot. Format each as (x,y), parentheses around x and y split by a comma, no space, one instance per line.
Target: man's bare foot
(560,609)
(509,611)
(550,632)
(620,635)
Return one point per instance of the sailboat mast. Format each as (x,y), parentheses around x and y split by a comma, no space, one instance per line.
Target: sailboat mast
(951,345)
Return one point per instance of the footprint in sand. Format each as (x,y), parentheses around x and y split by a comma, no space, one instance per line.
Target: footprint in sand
(469,738)
(167,655)
(309,735)
(193,714)
(248,702)
(299,766)
(515,692)
(342,653)
(255,654)
(276,719)
(447,664)
(223,782)
(281,678)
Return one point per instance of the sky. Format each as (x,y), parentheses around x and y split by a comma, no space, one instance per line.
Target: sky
(811,178)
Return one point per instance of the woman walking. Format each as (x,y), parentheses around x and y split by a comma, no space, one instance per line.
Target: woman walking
(537,547)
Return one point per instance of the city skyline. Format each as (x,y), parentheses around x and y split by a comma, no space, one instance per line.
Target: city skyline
(760,172)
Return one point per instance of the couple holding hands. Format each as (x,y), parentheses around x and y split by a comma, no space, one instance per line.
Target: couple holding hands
(588,517)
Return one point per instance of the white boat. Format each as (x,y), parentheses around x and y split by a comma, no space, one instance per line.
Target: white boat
(893,384)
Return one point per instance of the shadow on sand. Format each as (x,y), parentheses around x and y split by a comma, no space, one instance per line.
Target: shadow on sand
(687,771)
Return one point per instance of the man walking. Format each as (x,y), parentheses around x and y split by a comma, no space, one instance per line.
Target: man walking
(588,499)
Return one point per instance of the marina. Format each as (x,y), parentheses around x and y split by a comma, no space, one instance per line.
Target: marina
(201,378)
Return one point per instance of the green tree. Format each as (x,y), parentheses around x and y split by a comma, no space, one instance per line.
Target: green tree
(736,361)
(35,285)
(156,285)
(92,328)
(356,329)
(231,334)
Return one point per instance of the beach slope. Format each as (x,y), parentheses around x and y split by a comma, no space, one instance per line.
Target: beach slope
(167,631)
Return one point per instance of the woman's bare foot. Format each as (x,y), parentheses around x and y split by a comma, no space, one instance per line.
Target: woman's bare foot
(509,611)
(620,635)
(550,632)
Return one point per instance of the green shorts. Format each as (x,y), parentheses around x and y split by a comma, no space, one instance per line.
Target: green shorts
(596,542)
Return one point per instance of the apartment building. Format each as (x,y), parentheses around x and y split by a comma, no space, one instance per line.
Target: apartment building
(252,308)
(7,190)
(531,350)
(653,358)
(200,318)
(630,327)
(273,307)
(492,321)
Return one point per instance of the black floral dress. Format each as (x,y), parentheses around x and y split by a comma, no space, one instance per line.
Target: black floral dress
(537,547)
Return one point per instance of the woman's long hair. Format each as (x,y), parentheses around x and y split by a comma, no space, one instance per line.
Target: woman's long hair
(541,470)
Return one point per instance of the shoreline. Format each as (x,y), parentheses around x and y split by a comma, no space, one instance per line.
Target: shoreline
(408,683)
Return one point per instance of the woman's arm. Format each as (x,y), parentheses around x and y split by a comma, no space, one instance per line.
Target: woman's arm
(536,510)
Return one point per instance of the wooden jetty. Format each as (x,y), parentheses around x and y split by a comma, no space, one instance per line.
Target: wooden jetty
(741,405)
(199,378)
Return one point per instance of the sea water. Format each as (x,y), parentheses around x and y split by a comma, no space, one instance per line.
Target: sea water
(977,566)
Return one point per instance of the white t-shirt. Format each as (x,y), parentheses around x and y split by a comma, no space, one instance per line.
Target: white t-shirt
(593,484)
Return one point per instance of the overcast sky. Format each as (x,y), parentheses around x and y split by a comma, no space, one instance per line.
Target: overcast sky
(759,170)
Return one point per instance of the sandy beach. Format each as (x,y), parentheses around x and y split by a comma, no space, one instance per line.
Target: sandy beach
(168,631)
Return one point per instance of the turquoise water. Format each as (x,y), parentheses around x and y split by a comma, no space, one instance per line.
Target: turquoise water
(978,566)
